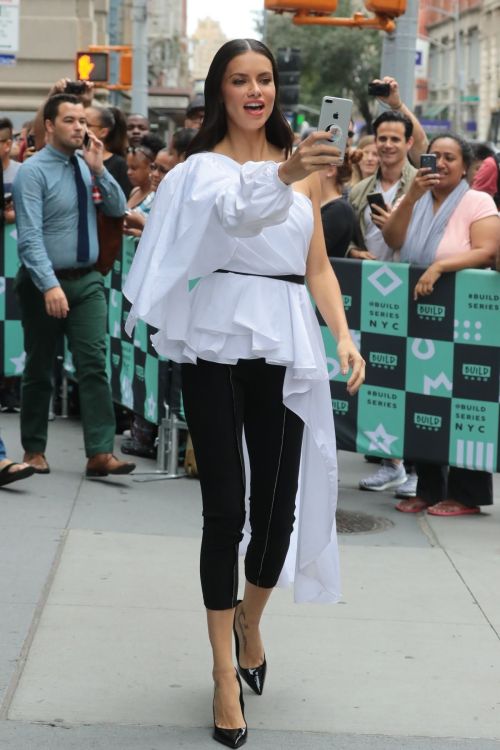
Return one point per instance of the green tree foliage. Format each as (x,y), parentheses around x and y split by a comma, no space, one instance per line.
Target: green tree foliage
(336,60)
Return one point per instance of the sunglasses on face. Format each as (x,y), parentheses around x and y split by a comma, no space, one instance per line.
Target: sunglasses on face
(350,133)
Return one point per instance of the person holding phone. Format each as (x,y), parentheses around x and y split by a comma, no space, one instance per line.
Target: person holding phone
(58,288)
(373,197)
(386,90)
(443,224)
(242,215)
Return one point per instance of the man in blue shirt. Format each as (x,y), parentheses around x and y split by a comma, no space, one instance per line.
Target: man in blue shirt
(58,288)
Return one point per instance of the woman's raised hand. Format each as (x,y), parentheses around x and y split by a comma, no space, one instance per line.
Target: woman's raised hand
(424,180)
(314,153)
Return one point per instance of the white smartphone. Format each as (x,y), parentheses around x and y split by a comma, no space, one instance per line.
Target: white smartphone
(335,117)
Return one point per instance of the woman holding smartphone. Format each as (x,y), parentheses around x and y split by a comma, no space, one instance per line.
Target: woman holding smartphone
(442,224)
(242,215)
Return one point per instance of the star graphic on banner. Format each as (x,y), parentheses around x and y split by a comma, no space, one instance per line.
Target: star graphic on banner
(18,363)
(151,406)
(127,393)
(380,439)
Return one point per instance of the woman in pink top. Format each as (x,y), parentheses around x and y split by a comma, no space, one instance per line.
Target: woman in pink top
(442,224)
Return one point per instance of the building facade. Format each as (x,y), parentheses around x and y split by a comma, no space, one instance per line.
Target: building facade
(167,41)
(204,43)
(50,33)
(461,81)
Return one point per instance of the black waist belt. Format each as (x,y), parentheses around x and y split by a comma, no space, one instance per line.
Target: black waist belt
(71,274)
(292,278)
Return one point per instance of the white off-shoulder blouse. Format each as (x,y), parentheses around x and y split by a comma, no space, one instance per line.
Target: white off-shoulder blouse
(213,213)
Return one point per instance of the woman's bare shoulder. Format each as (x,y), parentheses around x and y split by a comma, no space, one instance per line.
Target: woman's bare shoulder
(310,186)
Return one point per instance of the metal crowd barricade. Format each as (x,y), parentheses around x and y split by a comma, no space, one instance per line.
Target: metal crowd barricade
(167,450)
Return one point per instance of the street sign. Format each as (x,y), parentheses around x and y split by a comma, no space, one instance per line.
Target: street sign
(9,26)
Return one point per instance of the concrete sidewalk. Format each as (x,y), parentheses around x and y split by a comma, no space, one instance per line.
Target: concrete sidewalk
(103,643)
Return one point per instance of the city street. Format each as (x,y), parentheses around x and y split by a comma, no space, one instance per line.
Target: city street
(103,642)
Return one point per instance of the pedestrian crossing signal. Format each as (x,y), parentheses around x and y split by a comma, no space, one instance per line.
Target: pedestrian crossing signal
(92,66)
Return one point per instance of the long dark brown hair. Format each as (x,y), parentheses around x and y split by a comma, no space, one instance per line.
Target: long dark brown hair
(214,127)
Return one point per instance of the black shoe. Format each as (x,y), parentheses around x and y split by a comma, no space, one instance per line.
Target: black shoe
(232,737)
(253,676)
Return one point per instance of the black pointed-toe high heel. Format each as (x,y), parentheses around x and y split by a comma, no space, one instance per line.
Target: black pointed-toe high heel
(253,676)
(232,737)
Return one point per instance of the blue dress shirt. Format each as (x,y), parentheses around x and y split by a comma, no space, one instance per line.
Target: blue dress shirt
(47,213)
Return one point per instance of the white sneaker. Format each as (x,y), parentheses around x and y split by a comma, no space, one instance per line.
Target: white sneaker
(389,475)
(409,488)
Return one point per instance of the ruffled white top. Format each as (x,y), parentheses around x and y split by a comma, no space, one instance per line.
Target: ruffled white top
(211,213)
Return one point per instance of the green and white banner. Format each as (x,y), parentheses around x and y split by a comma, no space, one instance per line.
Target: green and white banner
(433,366)
(432,377)
(140,380)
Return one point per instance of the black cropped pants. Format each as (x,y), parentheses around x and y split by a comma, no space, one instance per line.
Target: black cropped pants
(221,401)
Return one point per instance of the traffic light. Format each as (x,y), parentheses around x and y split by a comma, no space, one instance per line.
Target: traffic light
(313,6)
(288,60)
(92,66)
(391,8)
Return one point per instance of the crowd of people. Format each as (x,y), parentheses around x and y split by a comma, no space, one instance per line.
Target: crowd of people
(386,163)
(115,164)
(232,199)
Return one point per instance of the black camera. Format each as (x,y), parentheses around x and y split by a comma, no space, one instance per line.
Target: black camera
(379,89)
(75,87)
(30,141)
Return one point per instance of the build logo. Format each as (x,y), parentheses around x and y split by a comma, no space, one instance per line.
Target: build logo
(383,359)
(476,372)
(340,407)
(431,312)
(427,421)
(427,425)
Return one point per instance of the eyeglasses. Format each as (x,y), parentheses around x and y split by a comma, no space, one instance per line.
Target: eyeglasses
(350,133)
(158,168)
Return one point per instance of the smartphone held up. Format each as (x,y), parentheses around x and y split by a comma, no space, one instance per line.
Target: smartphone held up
(379,89)
(376,199)
(429,161)
(335,118)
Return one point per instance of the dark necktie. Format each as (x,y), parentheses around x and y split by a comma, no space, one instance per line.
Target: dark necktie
(83,248)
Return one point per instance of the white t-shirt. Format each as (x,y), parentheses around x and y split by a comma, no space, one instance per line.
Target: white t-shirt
(9,175)
(374,239)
